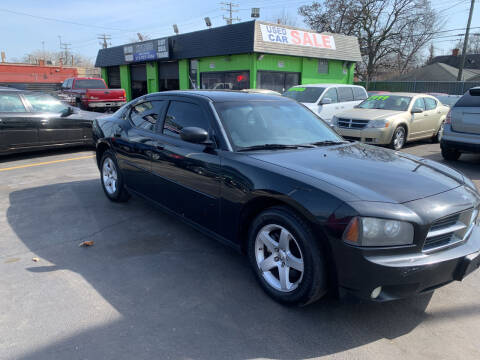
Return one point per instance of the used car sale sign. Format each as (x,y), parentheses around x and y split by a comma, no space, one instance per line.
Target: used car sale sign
(281,35)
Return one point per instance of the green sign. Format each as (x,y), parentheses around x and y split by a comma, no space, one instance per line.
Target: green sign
(296,89)
(379,97)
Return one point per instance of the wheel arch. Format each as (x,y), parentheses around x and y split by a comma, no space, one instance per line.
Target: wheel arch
(102,146)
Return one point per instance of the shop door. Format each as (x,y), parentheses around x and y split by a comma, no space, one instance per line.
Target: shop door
(138,76)
(113,76)
(277,80)
(168,76)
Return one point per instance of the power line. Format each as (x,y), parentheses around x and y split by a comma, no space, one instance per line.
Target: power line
(230,11)
(104,38)
(465,42)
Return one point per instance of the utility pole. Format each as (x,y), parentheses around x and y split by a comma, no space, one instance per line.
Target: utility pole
(465,43)
(104,38)
(230,9)
(65,48)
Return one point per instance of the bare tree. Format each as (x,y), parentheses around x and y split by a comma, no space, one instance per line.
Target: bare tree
(284,18)
(473,44)
(391,33)
(55,58)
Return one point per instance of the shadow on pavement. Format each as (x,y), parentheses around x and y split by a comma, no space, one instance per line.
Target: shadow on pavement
(179,293)
(44,154)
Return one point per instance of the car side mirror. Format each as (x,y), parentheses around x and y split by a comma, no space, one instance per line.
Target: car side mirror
(67,111)
(194,135)
(326,101)
(416,111)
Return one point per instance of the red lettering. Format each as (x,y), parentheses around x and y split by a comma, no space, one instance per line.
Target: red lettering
(327,41)
(315,43)
(296,37)
(307,40)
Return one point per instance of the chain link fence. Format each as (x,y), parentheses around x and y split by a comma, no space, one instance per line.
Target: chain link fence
(448,87)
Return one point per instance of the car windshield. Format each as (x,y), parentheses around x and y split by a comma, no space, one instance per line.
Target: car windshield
(304,94)
(386,102)
(45,103)
(258,123)
(89,84)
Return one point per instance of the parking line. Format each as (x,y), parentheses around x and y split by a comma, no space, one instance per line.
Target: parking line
(46,163)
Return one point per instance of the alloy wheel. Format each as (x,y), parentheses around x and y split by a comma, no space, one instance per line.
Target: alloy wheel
(440,132)
(279,258)
(110,176)
(399,138)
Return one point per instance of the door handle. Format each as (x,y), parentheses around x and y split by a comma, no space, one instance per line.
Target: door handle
(44,121)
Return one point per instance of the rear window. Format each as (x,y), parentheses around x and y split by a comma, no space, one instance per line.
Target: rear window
(359,93)
(304,94)
(345,93)
(89,84)
(470,99)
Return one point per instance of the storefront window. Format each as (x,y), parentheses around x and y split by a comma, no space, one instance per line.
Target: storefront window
(193,74)
(138,77)
(168,76)
(113,76)
(277,80)
(237,80)
(322,66)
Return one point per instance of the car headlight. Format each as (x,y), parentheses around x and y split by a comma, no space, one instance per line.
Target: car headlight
(378,124)
(368,231)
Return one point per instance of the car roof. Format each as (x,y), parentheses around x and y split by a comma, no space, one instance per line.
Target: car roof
(328,85)
(409,94)
(223,95)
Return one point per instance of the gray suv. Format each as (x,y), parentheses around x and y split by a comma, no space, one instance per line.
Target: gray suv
(461,132)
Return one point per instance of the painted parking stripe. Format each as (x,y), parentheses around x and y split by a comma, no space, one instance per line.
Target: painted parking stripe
(46,163)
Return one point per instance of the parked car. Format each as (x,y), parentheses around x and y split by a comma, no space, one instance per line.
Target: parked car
(327,100)
(265,175)
(393,119)
(32,121)
(91,94)
(377,92)
(261,91)
(448,100)
(462,127)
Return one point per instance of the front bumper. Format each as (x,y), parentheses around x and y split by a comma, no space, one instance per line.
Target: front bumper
(367,135)
(407,275)
(105,104)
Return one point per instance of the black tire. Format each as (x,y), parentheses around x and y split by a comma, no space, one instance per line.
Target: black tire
(312,285)
(396,145)
(450,154)
(120,194)
(78,104)
(438,136)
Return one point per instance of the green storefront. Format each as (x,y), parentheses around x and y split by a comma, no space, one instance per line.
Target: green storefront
(252,54)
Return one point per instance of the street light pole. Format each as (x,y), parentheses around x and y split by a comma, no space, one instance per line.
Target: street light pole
(465,43)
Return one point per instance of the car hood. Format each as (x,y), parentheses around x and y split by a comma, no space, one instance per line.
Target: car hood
(367,172)
(369,114)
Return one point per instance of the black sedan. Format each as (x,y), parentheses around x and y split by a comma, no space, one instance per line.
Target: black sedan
(312,211)
(32,121)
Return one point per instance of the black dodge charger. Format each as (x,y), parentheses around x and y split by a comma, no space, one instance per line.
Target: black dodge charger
(312,212)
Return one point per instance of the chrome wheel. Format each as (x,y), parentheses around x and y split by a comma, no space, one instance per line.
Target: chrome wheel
(440,132)
(109,176)
(279,258)
(399,138)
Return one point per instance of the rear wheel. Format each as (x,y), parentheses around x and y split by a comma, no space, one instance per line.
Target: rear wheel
(398,139)
(286,258)
(438,136)
(112,181)
(450,154)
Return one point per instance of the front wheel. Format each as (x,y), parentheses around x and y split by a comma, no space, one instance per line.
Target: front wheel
(112,181)
(438,136)
(286,258)
(450,154)
(398,138)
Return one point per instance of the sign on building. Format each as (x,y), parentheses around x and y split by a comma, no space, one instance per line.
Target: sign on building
(282,35)
(147,50)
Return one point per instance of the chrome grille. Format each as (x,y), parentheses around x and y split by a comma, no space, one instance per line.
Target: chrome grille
(449,230)
(351,123)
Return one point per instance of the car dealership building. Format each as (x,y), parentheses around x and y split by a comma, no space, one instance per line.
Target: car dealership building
(253,54)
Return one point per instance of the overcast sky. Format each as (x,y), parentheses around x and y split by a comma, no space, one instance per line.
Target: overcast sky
(122,19)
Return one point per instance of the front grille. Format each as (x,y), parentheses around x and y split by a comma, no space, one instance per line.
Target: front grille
(449,230)
(351,123)
(351,138)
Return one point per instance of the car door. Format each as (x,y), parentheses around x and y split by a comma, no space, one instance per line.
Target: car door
(345,98)
(433,112)
(17,128)
(328,111)
(55,124)
(135,144)
(187,175)
(417,121)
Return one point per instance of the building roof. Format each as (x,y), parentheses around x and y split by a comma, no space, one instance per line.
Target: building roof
(241,38)
(437,72)
(472,61)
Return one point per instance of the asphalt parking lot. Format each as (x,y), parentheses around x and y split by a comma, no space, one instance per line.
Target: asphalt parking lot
(153,288)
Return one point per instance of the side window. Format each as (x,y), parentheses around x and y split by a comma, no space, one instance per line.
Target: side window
(430,104)
(182,114)
(419,103)
(69,84)
(11,103)
(359,93)
(470,99)
(146,114)
(322,66)
(345,93)
(331,94)
(64,84)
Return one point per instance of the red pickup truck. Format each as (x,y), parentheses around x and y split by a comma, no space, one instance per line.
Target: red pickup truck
(91,94)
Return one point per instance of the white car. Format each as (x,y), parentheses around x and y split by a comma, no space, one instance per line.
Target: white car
(327,100)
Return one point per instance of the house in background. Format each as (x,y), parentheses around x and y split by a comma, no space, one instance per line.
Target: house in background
(438,72)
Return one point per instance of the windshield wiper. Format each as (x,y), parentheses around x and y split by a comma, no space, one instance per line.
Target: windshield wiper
(328,142)
(272,147)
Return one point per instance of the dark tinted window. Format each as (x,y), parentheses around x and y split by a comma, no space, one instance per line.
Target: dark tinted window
(182,114)
(430,104)
(322,66)
(304,94)
(345,94)
(146,114)
(332,95)
(359,93)
(89,84)
(113,76)
(277,80)
(11,103)
(470,99)
(226,80)
(419,103)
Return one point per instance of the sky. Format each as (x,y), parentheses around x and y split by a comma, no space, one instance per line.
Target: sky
(25,24)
